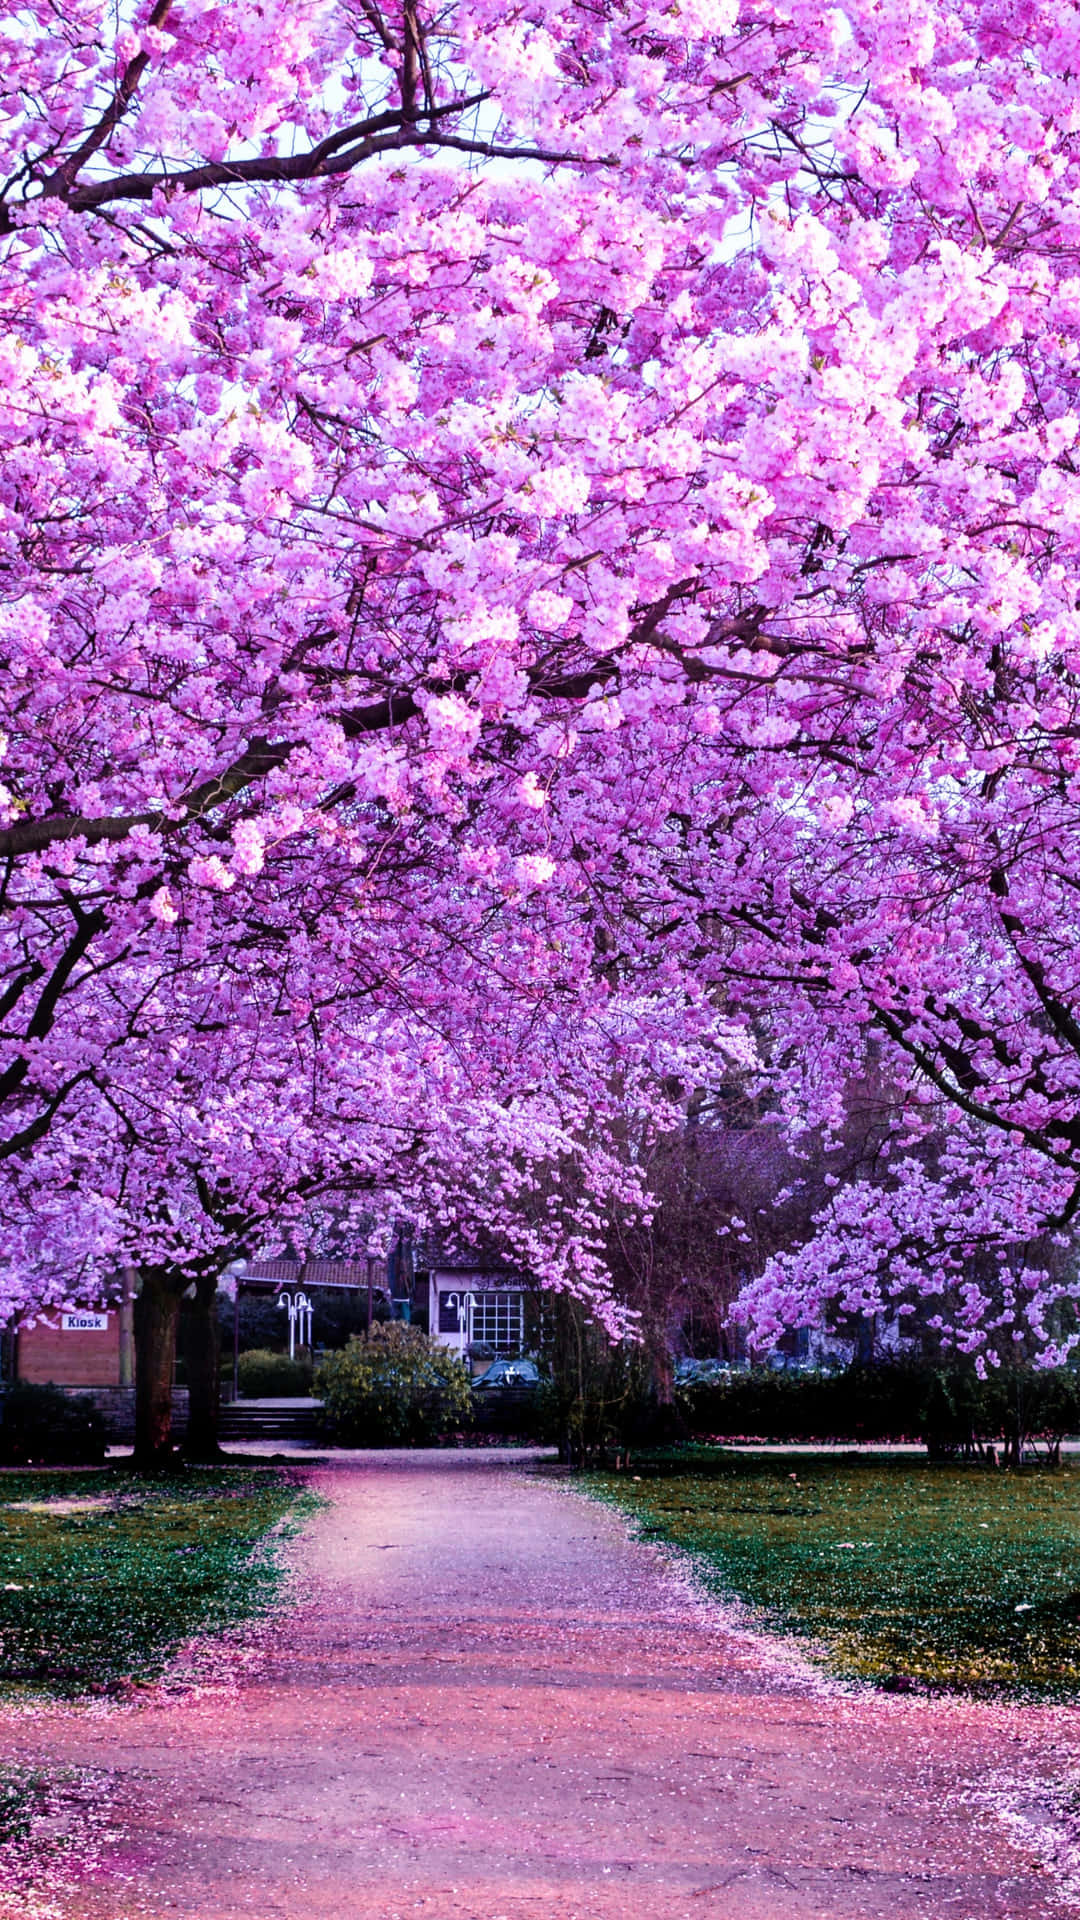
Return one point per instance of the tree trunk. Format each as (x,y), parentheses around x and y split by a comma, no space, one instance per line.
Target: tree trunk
(157,1315)
(202,1349)
(663,1370)
(668,1425)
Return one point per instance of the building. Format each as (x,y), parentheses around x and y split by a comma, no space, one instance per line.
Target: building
(467,1300)
(488,1313)
(87,1351)
(79,1347)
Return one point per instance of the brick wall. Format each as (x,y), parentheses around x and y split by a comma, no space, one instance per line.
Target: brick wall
(48,1351)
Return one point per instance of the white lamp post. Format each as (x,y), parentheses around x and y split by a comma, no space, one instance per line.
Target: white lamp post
(464,1302)
(299,1309)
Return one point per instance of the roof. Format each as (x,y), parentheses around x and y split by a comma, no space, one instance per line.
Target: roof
(312,1273)
(442,1253)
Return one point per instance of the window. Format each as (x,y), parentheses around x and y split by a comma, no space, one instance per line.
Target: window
(498,1320)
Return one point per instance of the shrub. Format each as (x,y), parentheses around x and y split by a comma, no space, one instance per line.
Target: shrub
(599,1396)
(945,1405)
(1013,1405)
(263,1374)
(45,1424)
(864,1403)
(397,1387)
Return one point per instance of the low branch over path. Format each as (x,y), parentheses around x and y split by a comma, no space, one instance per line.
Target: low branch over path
(491,1702)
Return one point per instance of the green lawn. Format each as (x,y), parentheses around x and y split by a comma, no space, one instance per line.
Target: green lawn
(904,1574)
(92,1599)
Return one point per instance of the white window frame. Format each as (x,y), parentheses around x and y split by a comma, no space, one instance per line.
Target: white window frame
(499,1311)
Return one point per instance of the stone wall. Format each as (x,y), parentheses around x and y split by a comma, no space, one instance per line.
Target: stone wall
(117,1406)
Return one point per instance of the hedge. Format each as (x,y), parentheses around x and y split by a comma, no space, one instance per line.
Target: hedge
(263,1374)
(947,1407)
(43,1425)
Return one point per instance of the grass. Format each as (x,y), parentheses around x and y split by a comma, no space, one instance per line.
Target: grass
(93,1600)
(20,1793)
(911,1576)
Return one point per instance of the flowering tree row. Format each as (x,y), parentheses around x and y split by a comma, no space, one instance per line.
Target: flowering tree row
(513,521)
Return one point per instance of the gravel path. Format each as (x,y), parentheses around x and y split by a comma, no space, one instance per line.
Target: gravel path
(490,1704)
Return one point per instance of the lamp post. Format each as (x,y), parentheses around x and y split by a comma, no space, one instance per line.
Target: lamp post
(464,1302)
(299,1309)
(236,1269)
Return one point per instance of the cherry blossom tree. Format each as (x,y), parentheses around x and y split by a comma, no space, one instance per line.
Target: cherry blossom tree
(589,500)
(231,1118)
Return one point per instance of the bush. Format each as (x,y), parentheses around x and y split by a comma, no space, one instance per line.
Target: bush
(521,1411)
(600,1396)
(47,1425)
(266,1375)
(946,1406)
(397,1387)
(1013,1405)
(864,1403)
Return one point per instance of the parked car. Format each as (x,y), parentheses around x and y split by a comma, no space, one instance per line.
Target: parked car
(507,1373)
(689,1372)
(507,1398)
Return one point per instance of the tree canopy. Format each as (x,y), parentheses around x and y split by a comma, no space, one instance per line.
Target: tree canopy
(519,524)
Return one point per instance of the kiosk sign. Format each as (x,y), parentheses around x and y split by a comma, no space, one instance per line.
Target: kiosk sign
(84,1323)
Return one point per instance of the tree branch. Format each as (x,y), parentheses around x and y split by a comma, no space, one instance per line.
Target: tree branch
(264,756)
(17,1143)
(64,176)
(88,926)
(396,129)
